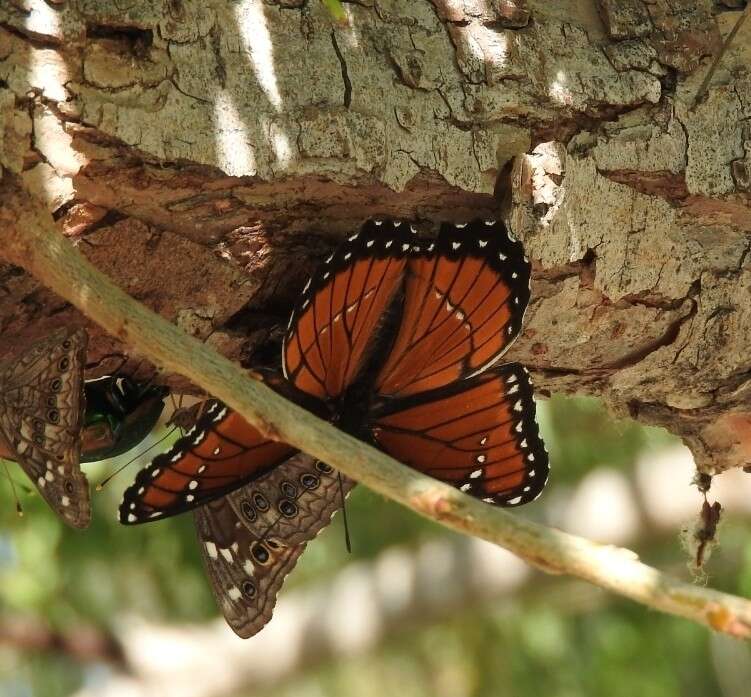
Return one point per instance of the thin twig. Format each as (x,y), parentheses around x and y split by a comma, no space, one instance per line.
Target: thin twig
(32,241)
(716,62)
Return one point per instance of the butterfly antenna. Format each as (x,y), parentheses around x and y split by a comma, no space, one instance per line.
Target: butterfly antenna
(347,541)
(19,509)
(107,479)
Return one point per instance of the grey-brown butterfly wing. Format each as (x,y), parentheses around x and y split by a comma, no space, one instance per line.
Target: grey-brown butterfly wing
(292,503)
(252,538)
(245,573)
(41,411)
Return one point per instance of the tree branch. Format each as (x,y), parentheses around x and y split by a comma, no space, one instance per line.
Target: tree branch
(32,241)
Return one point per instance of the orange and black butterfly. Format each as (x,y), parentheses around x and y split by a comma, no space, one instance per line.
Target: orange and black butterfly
(397,340)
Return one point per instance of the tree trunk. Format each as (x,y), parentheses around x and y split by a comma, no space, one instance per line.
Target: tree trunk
(206,155)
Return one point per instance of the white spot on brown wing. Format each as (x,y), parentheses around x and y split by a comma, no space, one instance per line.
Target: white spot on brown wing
(378,222)
(328,260)
(526,488)
(388,243)
(41,481)
(511,379)
(193,485)
(190,498)
(49,476)
(483,440)
(307,286)
(215,451)
(459,315)
(531,474)
(519,426)
(514,501)
(502,256)
(489,499)
(475,474)
(234,594)
(248,567)
(65,501)
(405,247)
(456,245)
(518,406)
(514,275)
(481,458)
(413,229)
(347,256)
(141,490)
(227,554)
(461,225)
(531,457)
(352,238)
(514,389)
(431,246)
(482,243)
(155,473)
(369,243)
(523,444)
(465,487)
(131,518)
(490,222)
(397,223)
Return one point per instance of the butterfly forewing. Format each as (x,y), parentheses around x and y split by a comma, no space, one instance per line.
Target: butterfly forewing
(480,436)
(41,412)
(340,312)
(465,296)
(219,454)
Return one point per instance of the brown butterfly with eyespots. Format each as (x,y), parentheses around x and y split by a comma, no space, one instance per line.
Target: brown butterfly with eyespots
(42,406)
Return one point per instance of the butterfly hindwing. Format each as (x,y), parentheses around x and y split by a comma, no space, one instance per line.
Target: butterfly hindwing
(245,573)
(293,502)
(464,299)
(252,538)
(480,436)
(219,454)
(41,412)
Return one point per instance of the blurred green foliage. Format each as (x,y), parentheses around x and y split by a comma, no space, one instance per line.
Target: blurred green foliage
(548,643)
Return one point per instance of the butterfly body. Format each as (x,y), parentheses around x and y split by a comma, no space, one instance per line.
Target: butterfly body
(398,341)
(41,411)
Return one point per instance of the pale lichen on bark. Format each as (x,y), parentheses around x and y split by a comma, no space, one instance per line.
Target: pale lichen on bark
(230,145)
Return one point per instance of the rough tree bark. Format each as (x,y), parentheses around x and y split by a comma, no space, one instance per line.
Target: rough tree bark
(205,155)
